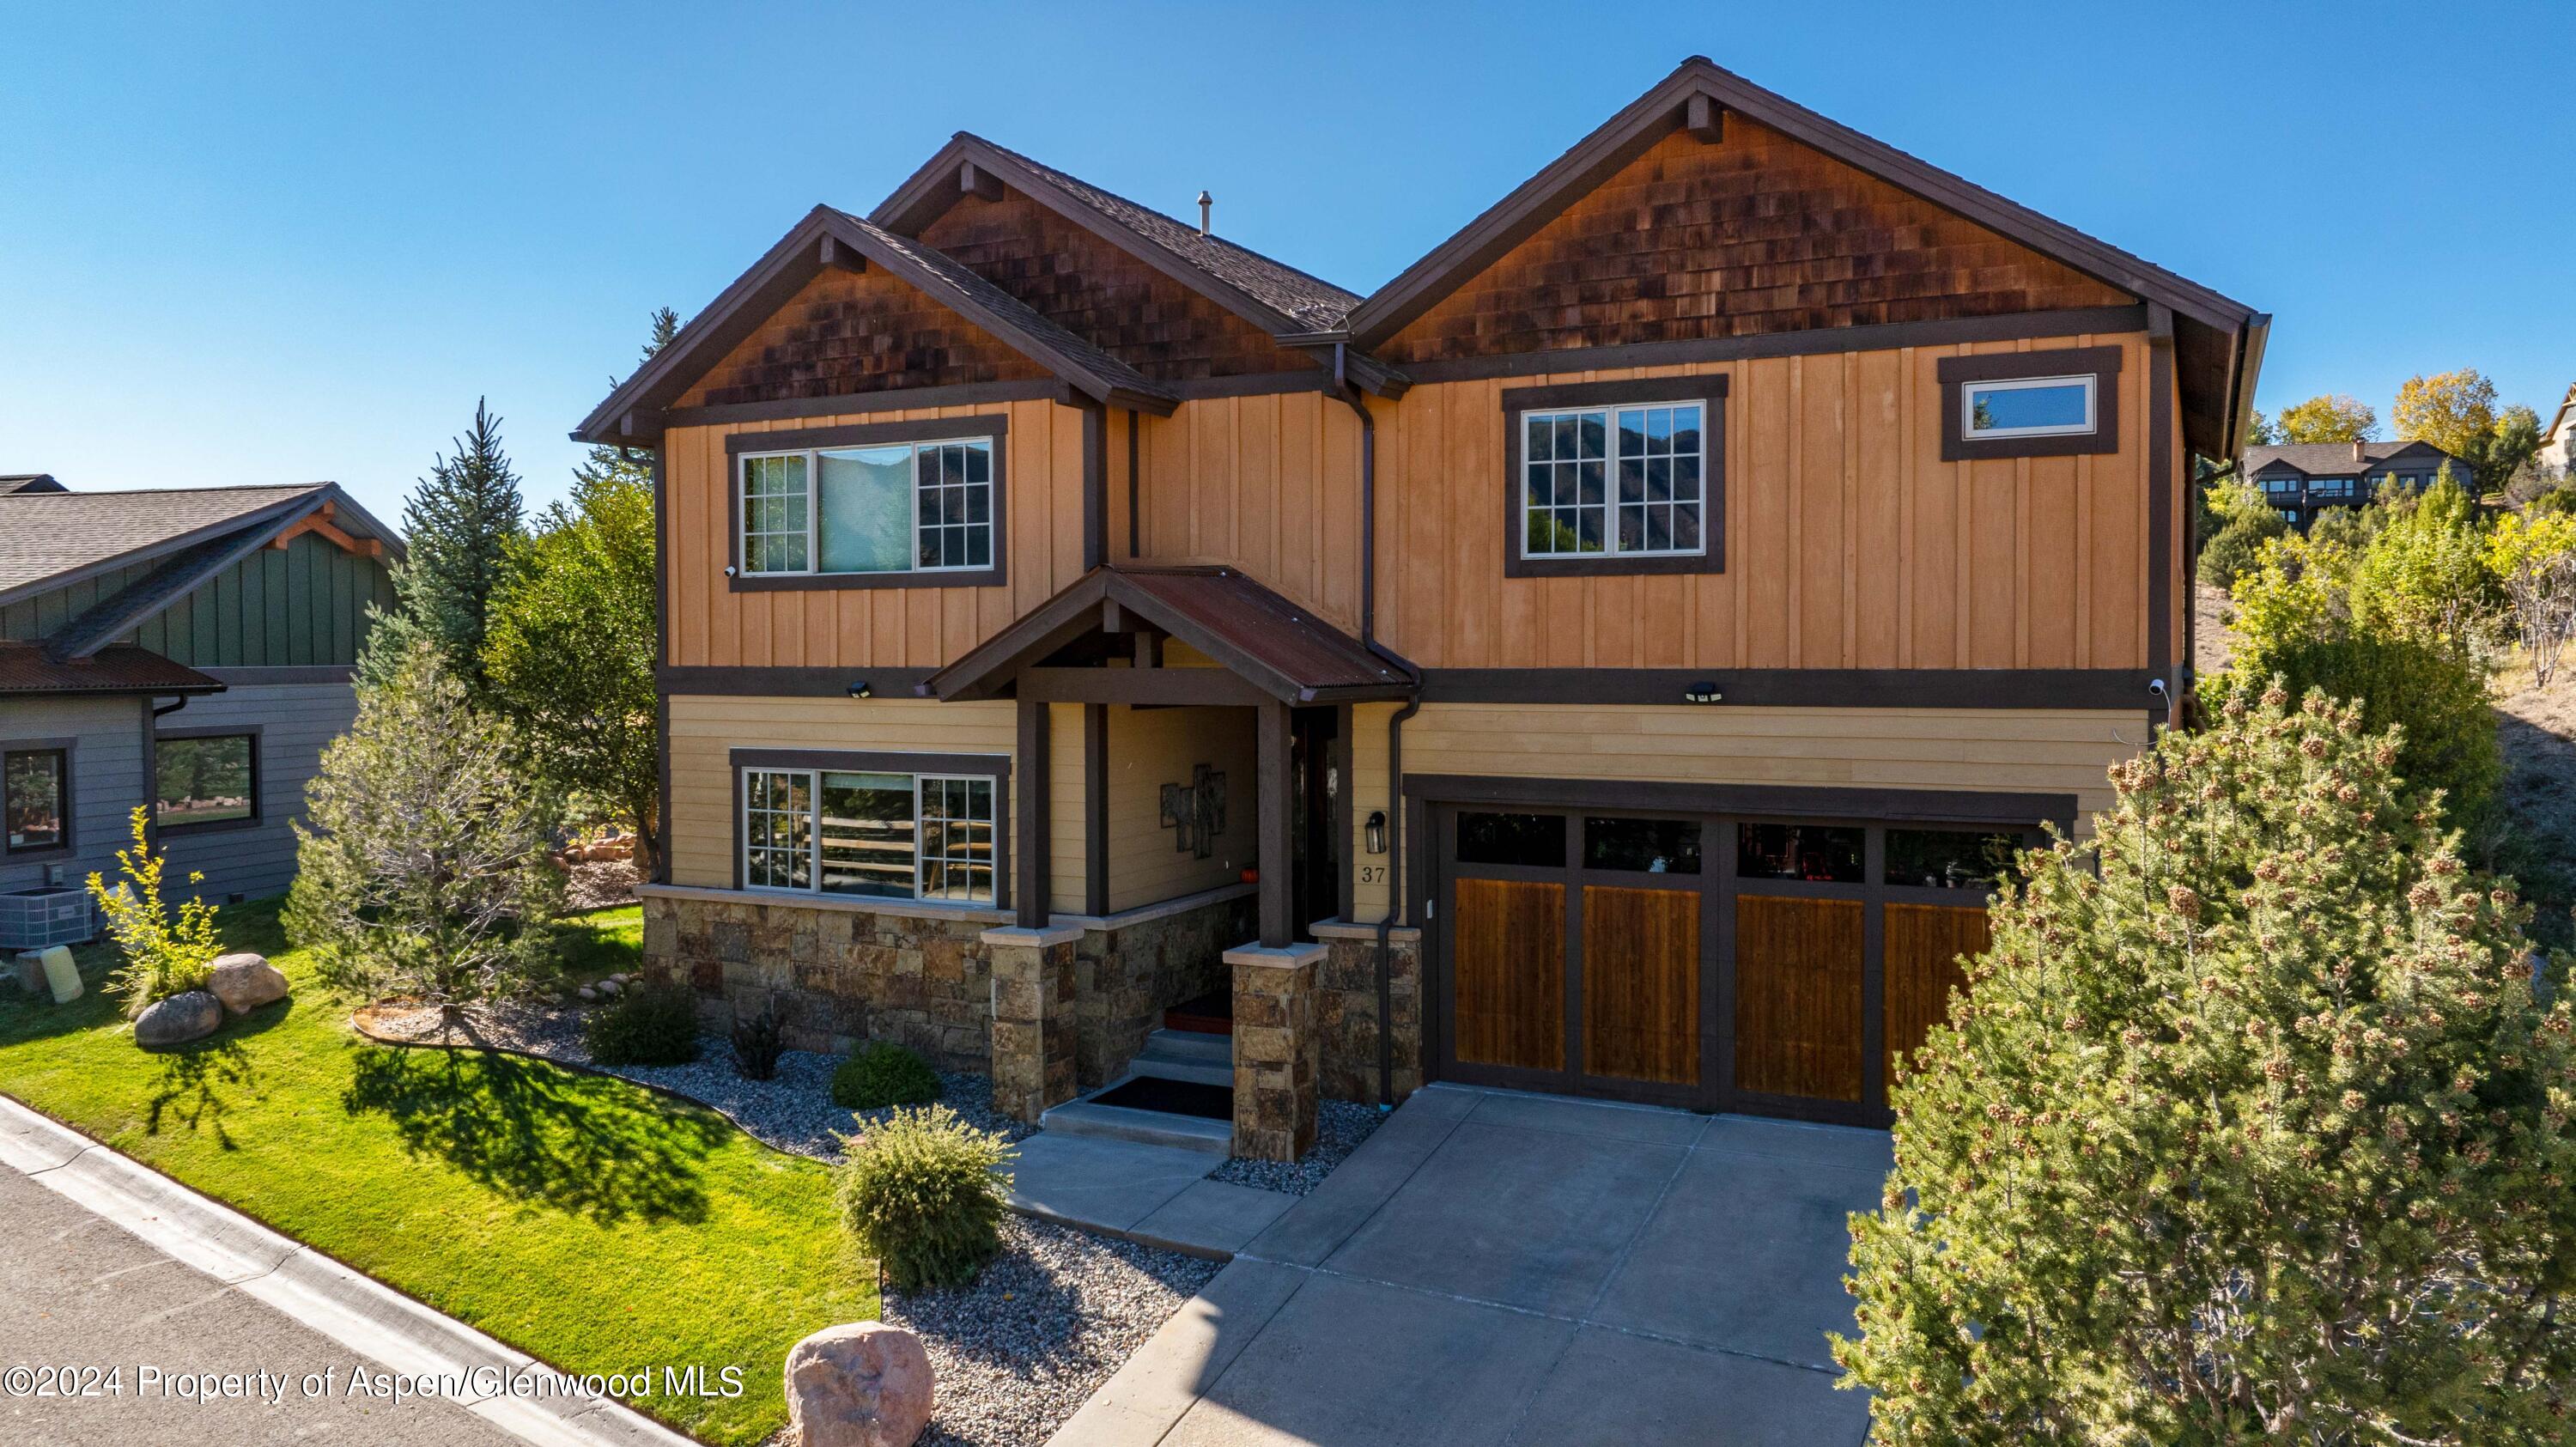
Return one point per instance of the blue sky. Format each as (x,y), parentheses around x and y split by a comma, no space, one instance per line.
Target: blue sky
(299,243)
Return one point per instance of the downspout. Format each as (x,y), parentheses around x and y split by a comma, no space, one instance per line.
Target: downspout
(152,754)
(1350,395)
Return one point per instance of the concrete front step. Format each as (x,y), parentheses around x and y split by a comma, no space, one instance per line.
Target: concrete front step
(1182,1067)
(1147,1127)
(1195,1045)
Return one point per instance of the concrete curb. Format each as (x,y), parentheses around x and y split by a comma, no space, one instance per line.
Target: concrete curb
(341,1303)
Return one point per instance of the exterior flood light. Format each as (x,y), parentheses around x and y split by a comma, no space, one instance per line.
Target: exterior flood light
(1374,832)
(1704,691)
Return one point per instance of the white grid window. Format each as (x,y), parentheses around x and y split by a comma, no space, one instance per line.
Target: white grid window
(902,507)
(2027,407)
(887,836)
(1614,481)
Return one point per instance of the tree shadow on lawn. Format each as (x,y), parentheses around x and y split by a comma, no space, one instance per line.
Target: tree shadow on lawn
(579,1143)
(190,1088)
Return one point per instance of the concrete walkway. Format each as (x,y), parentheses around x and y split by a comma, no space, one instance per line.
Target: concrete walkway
(1496,1268)
(186,1284)
(1159,1195)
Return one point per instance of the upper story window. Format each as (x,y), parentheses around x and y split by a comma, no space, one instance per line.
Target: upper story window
(1615,477)
(882,505)
(2279,485)
(1613,481)
(2027,407)
(2058,403)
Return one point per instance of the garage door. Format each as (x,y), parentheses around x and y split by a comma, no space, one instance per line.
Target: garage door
(1777,965)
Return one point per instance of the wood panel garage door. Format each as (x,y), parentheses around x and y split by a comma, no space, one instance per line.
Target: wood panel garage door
(1777,965)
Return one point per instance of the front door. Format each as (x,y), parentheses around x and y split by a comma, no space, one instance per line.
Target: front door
(1776,965)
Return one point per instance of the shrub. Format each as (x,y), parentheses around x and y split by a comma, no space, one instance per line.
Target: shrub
(756,1045)
(876,1076)
(2249,1127)
(2434,694)
(649,1025)
(923,1194)
(165,954)
(2242,523)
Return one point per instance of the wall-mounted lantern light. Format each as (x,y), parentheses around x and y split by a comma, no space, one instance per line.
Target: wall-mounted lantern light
(1704,691)
(860,689)
(1374,831)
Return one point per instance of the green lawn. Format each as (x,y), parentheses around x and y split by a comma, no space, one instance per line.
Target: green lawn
(593,1223)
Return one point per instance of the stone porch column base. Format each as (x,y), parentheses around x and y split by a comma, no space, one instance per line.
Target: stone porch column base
(1277,1043)
(1034,1020)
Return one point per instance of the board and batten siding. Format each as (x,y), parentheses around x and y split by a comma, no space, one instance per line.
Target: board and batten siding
(301,606)
(907,627)
(295,723)
(1269,484)
(2005,750)
(106,737)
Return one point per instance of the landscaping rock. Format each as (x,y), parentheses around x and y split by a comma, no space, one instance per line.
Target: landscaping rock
(863,1384)
(189,1015)
(607,988)
(244,982)
(31,972)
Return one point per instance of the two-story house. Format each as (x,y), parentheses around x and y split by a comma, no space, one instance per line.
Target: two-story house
(2303,479)
(184,650)
(1604,659)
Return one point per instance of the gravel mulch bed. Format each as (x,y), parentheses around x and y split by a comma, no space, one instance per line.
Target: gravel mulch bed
(600,885)
(1050,1320)
(1340,1126)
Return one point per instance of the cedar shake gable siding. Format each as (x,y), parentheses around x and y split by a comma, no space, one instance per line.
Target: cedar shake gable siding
(1750,235)
(852,332)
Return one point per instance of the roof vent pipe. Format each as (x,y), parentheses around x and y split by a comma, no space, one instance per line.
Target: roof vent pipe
(1207,203)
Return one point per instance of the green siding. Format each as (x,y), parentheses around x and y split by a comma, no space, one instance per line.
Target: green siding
(303,606)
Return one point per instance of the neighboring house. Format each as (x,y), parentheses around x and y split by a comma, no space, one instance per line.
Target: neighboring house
(1609,654)
(2558,443)
(2302,479)
(188,650)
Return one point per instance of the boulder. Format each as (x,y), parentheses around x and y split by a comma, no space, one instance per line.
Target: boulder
(586,994)
(244,982)
(863,1384)
(608,986)
(178,1019)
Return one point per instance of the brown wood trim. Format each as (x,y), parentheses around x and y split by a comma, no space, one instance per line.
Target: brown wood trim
(1877,337)
(2012,688)
(1095,488)
(2100,363)
(1172,686)
(966,394)
(789,682)
(1708,389)
(1032,822)
(1661,796)
(995,425)
(1135,526)
(1347,847)
(1095,809)
(2161,480)
(661,661)
(996,767)
(1277,873)
(1255,384)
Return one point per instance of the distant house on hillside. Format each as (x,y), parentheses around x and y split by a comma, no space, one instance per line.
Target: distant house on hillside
(2558,444)
(188,650)
(2302,479)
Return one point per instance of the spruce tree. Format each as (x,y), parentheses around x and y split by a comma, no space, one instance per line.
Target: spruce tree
(2251,1127)
(459,525)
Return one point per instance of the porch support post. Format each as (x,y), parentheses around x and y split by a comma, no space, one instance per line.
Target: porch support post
(1034,1020)
(1277,870)
(1278,1049)
(1033,878)
(1095,808)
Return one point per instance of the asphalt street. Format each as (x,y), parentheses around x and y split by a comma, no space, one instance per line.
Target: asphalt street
(82,1299)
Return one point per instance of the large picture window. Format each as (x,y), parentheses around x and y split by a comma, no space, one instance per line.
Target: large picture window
(874,835)
(205,779)
(35,795)
(896,507)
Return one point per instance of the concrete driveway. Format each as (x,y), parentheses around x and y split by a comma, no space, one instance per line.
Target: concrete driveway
(1498,1268)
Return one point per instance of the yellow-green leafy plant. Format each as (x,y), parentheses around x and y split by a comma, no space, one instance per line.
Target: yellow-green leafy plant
(2534,557)
(923,1192)
(166,952)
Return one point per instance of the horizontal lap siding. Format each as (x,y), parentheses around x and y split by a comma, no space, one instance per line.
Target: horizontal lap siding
(2037,751)
(296,723)
(1149,748)
(1849,543)
(705,729)
(712,625)
(107,778)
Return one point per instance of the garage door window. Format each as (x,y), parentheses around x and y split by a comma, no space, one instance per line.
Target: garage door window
(1818,853)
(1647,846)
(1533,840)
(1948,859)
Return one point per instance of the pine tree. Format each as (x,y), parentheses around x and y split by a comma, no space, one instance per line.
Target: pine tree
(2249,1128)
(459,526)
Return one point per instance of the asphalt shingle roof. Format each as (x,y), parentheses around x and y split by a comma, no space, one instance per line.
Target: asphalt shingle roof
(1307,301)
(2329,459)
(47,534)
(26,669)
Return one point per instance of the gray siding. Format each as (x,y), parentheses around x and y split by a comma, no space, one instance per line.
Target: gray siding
(294,721)
(107,779)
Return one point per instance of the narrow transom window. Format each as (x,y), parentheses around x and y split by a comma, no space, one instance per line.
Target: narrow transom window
(1613,481)
(2027,407)
(901,507)
(875,835)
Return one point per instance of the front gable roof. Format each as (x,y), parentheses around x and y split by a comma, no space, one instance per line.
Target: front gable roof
(2340,459)
(829,238)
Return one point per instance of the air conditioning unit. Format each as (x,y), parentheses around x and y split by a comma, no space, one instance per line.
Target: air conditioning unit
(32,919)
